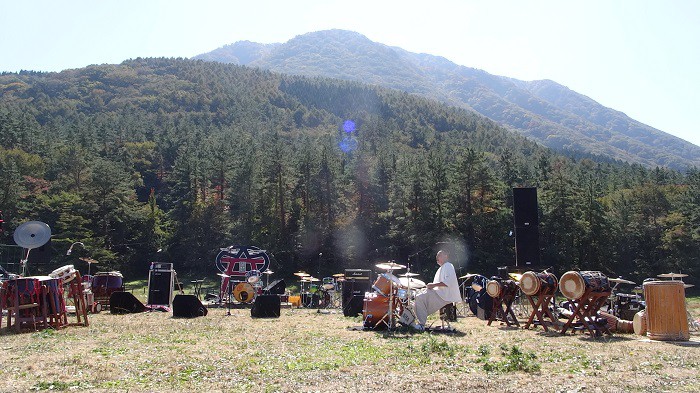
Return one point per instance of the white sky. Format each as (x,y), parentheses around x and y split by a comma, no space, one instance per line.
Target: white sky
(640,57)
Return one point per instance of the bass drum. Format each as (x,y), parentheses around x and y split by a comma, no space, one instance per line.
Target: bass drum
(244,292)
(481,304)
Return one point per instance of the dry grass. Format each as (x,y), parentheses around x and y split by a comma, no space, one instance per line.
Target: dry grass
(305,350)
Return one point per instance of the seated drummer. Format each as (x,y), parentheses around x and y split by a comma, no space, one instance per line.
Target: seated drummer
(442,291)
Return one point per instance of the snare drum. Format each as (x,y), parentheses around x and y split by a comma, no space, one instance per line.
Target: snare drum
(244,292)
(66,273)
(402,294)
(532,283)
(385,283)
(574,284)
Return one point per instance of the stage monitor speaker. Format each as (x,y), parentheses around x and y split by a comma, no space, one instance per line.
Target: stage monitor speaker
(276,287)
(266,306)
(160,287)
(188,306)
(525,207)
(125,303)
(527,246)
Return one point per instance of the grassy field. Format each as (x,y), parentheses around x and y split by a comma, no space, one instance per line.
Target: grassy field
(306,350)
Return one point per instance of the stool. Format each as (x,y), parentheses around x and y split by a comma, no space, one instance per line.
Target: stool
(448,313)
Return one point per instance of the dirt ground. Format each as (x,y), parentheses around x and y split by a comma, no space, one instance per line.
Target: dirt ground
(306,350)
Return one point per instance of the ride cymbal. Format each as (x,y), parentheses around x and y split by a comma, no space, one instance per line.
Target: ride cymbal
(672,275)
(622,281)
(390,266)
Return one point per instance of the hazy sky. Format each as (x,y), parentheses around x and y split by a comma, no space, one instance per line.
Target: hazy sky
(636,56)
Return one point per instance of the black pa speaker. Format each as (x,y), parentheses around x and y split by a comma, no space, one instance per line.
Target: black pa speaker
(276,287)
(125,303)
(525,207)
(527,246)
(266,306)
(188,306)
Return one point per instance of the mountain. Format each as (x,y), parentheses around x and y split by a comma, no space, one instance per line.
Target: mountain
(543,110)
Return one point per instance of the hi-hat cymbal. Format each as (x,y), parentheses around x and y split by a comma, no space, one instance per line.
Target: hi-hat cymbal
(390,266)
(672,275)
(302,274)
(339,275)
(268,271)
(688,285)
(340,279)
(621,281)
(468,275)
(409,275)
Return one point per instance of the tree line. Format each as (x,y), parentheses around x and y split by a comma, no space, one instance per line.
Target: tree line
(188,157)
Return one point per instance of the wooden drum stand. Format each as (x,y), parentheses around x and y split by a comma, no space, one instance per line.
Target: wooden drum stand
(503,293)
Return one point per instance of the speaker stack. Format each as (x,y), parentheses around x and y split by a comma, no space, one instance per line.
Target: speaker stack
(161,281)
(357,282)
(525,218)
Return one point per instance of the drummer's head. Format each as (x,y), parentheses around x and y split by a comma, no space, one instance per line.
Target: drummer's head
(442,257)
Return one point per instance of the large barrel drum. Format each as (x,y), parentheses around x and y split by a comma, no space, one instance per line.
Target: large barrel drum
(532,283)
(666,314)
(573,284)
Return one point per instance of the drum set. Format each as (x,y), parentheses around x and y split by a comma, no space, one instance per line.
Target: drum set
(391,301)
(325,295)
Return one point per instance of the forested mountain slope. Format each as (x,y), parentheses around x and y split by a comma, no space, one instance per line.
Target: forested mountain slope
(190,156)
(545,111)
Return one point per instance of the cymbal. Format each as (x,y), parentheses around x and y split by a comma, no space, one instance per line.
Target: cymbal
(302,274)
(468,275)
(413,282)
(88,260)
(313,279)
(622,281)
(340,279)
(672,275)
(409,275)
(223,275)
(515,276)
(339,275)
(688,285)
(390,266)
(268,271)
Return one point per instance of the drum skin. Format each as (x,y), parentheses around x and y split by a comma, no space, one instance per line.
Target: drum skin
(639,323)
(494,289)
(244,292)
(573,284)
(666,313)
(532,283)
